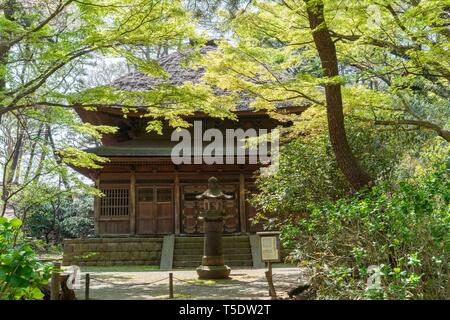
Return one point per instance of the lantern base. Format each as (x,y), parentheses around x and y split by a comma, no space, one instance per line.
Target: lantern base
(213,272)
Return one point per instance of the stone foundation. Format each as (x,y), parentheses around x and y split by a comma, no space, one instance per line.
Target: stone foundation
(112,251)
(187,252)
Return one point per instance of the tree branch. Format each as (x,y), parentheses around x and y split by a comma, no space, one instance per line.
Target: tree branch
(445,134)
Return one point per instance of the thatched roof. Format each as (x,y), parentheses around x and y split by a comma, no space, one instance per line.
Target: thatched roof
(173,64)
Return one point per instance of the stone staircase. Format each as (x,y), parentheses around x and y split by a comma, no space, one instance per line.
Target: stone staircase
(188,251)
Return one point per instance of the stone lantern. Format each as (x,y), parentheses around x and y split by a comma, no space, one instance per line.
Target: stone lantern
(213,265)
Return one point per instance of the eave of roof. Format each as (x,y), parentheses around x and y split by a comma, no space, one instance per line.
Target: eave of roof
(113,151)
(135,148)
(151,148)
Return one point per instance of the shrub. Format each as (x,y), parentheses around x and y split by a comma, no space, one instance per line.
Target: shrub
(308,172)
(399,236)
(21,274)
(61,218)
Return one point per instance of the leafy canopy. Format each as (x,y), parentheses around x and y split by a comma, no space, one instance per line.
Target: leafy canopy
(393,56)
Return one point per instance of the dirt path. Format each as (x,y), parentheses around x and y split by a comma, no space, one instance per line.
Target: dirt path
(244,284)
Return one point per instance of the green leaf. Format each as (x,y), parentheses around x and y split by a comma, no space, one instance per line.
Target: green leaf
(15,222)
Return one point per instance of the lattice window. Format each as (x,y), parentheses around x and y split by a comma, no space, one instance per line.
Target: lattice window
(115,202)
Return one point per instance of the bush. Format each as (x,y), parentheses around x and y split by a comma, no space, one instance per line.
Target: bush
(21,274)
(61,218)
(308,172)
(399,236)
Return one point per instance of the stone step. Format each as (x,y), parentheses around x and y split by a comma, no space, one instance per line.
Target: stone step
(201,239)
(191,245)
(197,257)
(199,251)
(187,258)
(188,251)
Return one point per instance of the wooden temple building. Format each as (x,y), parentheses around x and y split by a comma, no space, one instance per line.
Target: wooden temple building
(147,195)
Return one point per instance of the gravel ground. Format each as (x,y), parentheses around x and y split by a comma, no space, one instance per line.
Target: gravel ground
(145,285)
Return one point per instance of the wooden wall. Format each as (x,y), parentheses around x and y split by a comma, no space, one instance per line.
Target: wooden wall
(166,210)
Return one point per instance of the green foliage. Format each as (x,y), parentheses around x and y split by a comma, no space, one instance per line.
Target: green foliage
(308,172)
(48,49)
(64,42)
(393,57)
(21,274)
(394,72)
(61,218)
(402,230)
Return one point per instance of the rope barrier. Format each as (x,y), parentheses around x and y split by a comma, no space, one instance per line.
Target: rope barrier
(128,284)
(180,289)
(190,282)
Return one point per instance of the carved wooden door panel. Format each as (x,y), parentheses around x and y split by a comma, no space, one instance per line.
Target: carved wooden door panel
(192,209)
(231,217)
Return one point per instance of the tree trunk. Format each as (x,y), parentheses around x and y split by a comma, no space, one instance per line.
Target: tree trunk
(40,165)
(57,157)
(326,48)
(17,151)
(32,154)
(18,171)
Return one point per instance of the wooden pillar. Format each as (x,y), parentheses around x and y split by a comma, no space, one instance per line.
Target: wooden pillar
(133,202)
(97,207)
(86,286)
(171,285)
(177,211)
(242,214)
(55,282)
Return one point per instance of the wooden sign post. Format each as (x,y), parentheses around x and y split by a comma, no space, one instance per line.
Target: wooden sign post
(270,252)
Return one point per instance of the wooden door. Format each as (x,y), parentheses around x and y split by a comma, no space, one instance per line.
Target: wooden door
(155,210)
(164,210)
(146,213)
